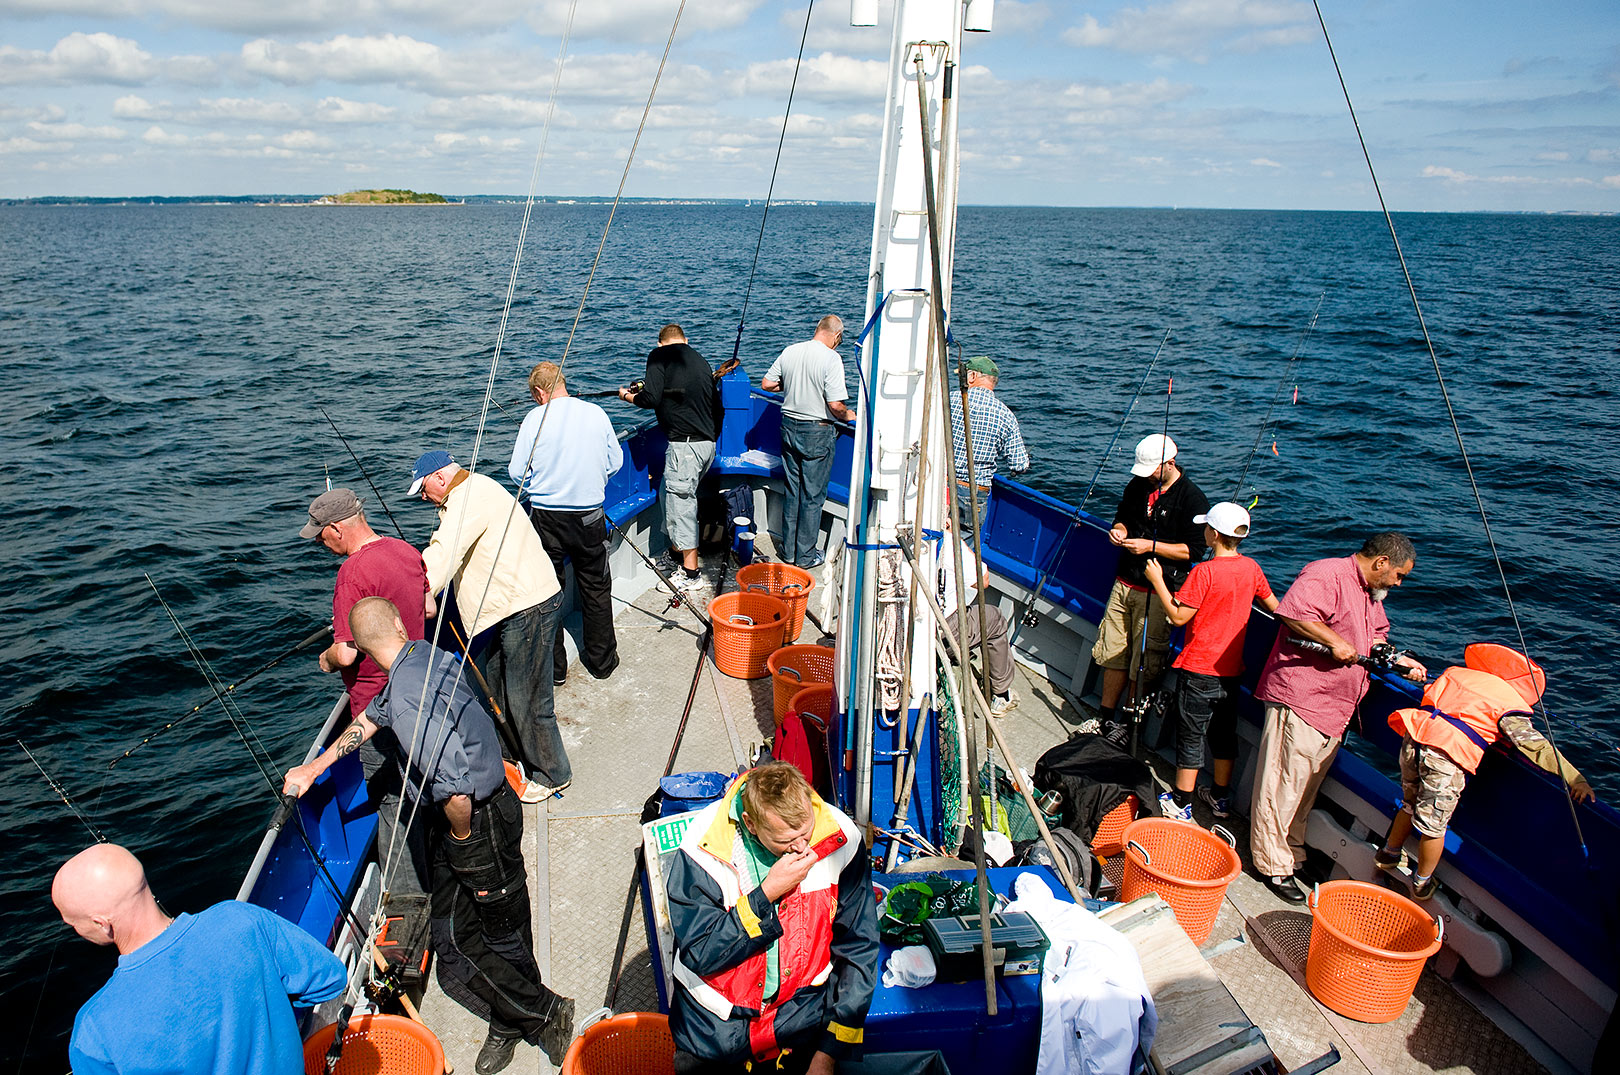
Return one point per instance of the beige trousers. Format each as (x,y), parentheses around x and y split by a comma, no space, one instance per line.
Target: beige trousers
(1294,759)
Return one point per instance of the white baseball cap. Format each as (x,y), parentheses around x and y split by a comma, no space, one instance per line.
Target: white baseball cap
(1226,518)
(1154,449)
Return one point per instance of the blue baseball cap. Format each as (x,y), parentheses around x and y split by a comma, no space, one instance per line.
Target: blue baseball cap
(437,459)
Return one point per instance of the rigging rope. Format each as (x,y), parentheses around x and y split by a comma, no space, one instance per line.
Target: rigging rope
(736,347)
(1451,414)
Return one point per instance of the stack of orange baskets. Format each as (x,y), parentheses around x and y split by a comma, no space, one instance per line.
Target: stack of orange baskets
(1187,867)
(377,1045)
(1110,838)
(747,630)
(1368,947)
(793,668)
(788,584)
(635,1043)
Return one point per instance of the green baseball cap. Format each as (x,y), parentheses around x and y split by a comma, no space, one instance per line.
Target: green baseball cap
(982,364)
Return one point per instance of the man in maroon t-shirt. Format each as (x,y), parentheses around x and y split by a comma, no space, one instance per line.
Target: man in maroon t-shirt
(373,566)
(1310,698)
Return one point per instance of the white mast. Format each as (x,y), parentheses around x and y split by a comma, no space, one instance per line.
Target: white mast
(892,449)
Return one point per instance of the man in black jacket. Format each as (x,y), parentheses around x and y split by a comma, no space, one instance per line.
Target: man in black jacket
(679,389)
(1155,519)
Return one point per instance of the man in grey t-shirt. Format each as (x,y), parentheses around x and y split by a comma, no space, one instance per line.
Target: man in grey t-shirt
(450,755)
(810,376)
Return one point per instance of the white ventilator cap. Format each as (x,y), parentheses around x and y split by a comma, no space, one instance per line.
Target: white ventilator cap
(1226,518)
(1154,449)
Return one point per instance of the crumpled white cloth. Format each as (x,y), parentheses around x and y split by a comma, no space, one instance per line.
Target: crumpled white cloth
(911,967)
(1095,1004)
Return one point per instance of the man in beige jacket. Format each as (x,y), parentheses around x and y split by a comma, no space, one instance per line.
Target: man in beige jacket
(506,591)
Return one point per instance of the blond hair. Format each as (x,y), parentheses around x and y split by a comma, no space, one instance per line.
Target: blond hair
(546,377)
(371,622)
(779,789)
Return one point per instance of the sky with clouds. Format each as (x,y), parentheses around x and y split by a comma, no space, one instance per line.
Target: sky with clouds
(1465,105)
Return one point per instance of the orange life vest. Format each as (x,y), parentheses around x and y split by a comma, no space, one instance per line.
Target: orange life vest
(1461,709)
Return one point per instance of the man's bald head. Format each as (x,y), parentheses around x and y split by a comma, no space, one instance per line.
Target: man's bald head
(375,622)
(102,893)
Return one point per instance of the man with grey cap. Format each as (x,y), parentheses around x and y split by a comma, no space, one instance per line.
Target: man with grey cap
(1155,520)
(997,440)
(507,595)
(810,376)
(373,566)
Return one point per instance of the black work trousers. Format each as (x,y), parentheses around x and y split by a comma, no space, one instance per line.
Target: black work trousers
(581,538)
(482,936)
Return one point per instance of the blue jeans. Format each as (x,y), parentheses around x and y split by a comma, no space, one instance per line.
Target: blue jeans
(517,663)
(1208,710)
(970,521)
(807,455)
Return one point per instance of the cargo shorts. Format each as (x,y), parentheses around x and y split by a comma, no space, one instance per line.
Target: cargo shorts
(1431,783)
(1119,635)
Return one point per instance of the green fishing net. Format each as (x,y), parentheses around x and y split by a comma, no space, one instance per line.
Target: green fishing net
(911,903)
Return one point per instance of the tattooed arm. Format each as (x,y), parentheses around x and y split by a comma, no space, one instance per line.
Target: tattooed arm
(301,777)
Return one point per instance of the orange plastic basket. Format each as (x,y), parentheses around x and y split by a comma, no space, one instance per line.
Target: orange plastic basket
(791,585)
(747,630)
(795,667)
(377,1045)
(1188,867)
(1110,838)
(816,698)
(1368,947)
(635,1043)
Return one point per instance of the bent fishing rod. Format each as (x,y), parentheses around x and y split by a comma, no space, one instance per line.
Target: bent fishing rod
(319,636)
(1029,619)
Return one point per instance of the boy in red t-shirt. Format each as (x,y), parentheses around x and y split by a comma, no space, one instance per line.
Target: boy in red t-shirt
(1214,602)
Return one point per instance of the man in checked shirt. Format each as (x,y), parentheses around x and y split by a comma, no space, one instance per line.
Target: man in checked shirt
(997,440)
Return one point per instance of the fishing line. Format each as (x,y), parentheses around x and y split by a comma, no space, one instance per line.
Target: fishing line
(216,696)
(374,490)
(1451,414)
(1299,348)
(62,794)
(1028,619)
(736,347)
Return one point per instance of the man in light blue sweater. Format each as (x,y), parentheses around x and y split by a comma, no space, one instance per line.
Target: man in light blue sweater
(562,460)
(197,994)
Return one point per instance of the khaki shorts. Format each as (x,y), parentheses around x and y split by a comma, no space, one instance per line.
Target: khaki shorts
(1119,635)
(1430,786)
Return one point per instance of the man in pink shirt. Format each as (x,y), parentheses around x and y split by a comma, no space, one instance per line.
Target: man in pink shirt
(373,566)
(1310,698)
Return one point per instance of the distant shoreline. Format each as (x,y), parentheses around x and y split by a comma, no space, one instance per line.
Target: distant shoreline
(316,201)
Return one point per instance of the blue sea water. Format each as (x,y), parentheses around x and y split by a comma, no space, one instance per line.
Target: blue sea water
(161,370)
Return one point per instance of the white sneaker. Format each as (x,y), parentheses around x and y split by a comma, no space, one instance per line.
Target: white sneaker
(1168,808)
(683,584)
(1001,706)
(536,792)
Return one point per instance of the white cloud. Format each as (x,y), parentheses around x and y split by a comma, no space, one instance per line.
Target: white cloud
(490,110)
(79,57)
(157,136)
(1611,180)
(1095,104)
(828,76)
(1452,175)
(130,106)
(1552,155)
(1264,162)
(379,58)
(244,110)
(1192,28)
(638,20)
(340,110)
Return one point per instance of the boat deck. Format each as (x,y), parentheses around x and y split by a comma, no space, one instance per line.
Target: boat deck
(618,733)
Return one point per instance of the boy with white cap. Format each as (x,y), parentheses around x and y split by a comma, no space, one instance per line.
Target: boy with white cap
(1155,521)
(1214,605)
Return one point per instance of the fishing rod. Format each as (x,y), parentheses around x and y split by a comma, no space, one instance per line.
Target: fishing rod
(63,795)
(669,767)
(1259,437)
(1029,619)
(218,696)
(285,804)
(374,490)
(676,596)
(1138,707)
(1381,657)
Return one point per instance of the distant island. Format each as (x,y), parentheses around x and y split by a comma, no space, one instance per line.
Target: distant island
(385,196)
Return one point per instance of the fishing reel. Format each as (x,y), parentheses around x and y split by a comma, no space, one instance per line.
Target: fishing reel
(636,386)
(385,988)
